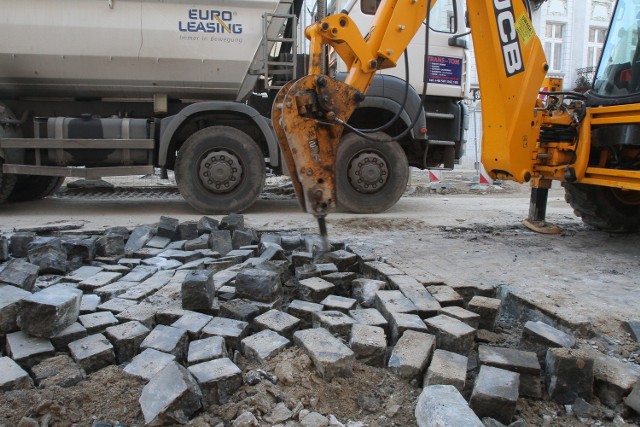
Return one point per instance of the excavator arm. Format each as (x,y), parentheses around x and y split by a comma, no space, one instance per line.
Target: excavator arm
(309,114)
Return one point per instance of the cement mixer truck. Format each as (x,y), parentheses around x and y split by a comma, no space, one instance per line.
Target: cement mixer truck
(99,88)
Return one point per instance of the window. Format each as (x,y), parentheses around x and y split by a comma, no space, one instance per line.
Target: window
(595,45)
(442,18)
(553,45)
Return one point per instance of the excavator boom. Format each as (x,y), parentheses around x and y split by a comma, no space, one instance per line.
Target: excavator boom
(310,114)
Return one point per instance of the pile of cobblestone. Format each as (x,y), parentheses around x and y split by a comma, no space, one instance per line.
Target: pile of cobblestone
(176,303)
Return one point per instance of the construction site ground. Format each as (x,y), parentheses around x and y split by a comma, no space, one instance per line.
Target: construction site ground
(456,232)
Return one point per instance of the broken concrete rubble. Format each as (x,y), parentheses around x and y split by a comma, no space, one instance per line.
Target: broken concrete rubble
(250,307)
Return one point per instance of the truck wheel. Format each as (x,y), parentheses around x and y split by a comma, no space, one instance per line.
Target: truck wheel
(605,208)
(7,183)
(220,170)
(34,187)
(371,176)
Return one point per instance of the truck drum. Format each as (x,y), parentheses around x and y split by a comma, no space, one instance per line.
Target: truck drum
(604,208)
(371,176)
(220,169)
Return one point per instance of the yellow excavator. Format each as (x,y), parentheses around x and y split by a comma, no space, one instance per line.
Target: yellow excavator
(589,142)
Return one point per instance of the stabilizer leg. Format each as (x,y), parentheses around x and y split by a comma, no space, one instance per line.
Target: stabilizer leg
(538,212)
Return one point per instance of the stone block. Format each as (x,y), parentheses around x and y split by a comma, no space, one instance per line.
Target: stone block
(28,350)
(443,405)
(401,322)
(171,395)
(140,273)
(329,355)
(10,301)
(411,354)
(129,262)
(188,230)
(58,371)
(538,336)
(338,303)
(147,364)
(181,256)
(239,309)
(92,353)
(168,340)
(146,253)
(307,271)
(83,273)
(342,259)
(613,378)
(241,238)
(264,345)
(426,305)
(327,268)
(446,295)
(523,362)
(452,334)
(371,317)
(315,289)
(168,227)
(335,322)
(98,322)
(218,379)
(69,334)
(343,282)
(201,242)
(299,259)
(20,242)
(233,331)
(379,270)
(569,375)
(388,302)
(50,259)
(206,349)
(110,245)
(193,323)
(469,317)
(633,326)
(101,279)
(84,249)
(206,225)
(304,310)
(495,394)
(220,241)
(369,343)
(48,312)
(241,254)
(632,400)
(4,249)
(258,285)
(12,376)
(20,273)
(272,252)
(138,238)
(277,321)
(291,242)
(116,305)
(232,222)
(447,368)
(364,290)
(126,339)
(143,313)
(198,290)
(469,290)
(488,309)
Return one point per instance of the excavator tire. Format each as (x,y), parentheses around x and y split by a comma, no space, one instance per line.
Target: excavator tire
(34,187)
(219,170)
(605,208)
(371,176)
(7,183)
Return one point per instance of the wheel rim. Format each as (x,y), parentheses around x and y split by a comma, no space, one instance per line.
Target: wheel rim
(220,171)
(628,197)
(368,172)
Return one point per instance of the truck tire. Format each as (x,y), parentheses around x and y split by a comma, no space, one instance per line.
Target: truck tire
(371,176)
(604,208)
(34,187)
(220,170)
(7,183)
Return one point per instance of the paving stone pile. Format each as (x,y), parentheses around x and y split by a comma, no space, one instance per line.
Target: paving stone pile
(176,303)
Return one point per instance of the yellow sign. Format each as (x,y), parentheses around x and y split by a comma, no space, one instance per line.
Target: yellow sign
(525,29)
